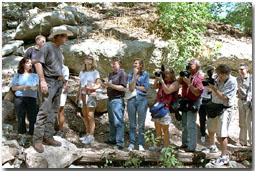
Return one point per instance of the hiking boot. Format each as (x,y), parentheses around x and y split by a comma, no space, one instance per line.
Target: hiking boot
(60,134)
(131,147)
(222,160)
(52,142)
(38,147)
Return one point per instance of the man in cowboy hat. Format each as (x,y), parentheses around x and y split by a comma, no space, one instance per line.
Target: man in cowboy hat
(49,62)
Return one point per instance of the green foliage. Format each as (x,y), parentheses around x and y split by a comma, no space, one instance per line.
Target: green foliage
(107,157)
(150,138)
(168,159)
(134,160)
(183,22)
(238,14)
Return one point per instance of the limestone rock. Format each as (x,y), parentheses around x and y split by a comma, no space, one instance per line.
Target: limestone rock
(6,154)
(10,62)
(53,157)
(11,47)
(29,29)
(8,112)
(12,24)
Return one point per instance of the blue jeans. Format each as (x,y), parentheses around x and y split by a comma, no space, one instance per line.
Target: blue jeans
(137,104)
(115,108)
(189,126)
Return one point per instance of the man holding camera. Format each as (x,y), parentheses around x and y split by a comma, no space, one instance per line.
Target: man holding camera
(192,89)
(244,92)
(223,92)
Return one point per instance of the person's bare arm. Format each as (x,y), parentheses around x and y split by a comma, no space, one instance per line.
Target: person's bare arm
(43,83)
(16,88)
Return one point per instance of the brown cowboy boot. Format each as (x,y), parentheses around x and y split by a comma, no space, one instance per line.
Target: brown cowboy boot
(52,142)
(38,147)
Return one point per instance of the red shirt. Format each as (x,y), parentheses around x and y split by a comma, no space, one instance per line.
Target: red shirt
(196,81)
(162,97)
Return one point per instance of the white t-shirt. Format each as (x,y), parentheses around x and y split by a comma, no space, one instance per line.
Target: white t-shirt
(88,78)
(65,72)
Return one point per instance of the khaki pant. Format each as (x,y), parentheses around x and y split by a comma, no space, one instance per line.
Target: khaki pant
(48,111)
(245,122)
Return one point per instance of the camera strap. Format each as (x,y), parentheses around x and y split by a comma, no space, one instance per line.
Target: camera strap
(192,80)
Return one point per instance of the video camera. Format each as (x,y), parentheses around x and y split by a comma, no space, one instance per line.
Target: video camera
(161,72)
(186,73)
(209,79)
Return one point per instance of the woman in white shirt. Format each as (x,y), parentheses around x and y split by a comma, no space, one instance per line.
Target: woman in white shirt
(86,97)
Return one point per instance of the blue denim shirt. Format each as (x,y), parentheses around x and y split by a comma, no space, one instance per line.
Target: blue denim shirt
(144,81)
(21,80)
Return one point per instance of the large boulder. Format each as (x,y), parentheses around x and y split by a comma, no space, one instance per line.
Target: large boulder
(42,23)
(53,157)
(10,62)
(6,154)
(8,111)
(11,47)
(8,35)
(103,50)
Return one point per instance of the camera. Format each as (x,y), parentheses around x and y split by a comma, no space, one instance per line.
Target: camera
(186,73)
(183,105)
(210,79)
(161,72)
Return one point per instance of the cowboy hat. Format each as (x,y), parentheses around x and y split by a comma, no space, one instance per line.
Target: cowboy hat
(59,30)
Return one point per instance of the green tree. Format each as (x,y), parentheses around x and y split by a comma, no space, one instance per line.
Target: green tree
(238,14)
(184,23)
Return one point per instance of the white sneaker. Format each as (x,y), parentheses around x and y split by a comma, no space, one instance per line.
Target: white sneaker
(222,160)
(84,137)
(154,148)
(140,147)
(131,147)
(90,139)
(202,139)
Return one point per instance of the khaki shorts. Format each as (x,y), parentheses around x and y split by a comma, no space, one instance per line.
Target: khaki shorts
(166,120)
(220,123)
(91,102)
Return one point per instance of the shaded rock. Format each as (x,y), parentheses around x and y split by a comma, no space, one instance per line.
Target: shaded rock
(4,24)
(17,163)
(6,154)
(12,24)
(7,36)
(11,47)
(20,51)
(12,144)
(29,29)
(8,111)
(10,62)
(53,157)
(84,30)
(6,128)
